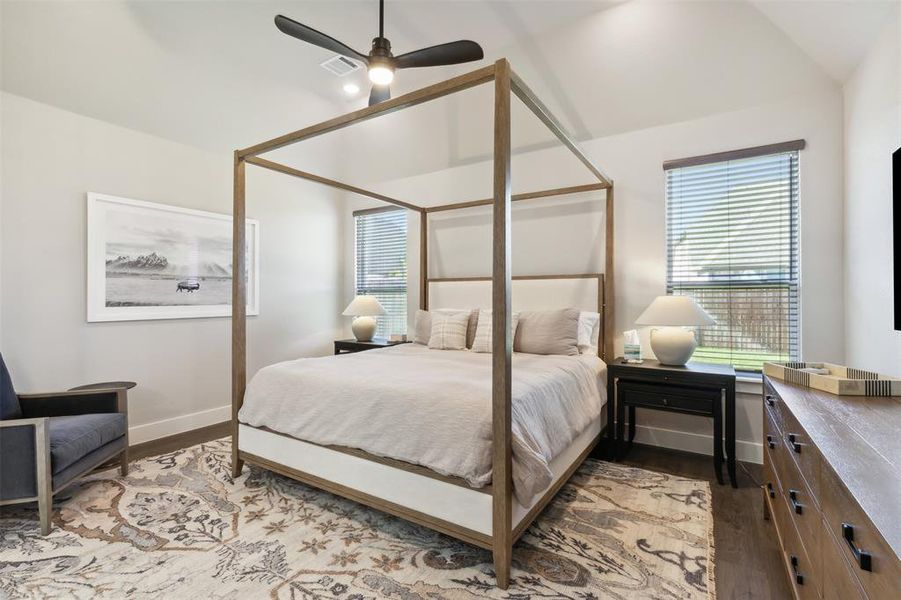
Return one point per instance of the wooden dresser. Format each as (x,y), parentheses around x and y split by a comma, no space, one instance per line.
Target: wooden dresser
(832,487)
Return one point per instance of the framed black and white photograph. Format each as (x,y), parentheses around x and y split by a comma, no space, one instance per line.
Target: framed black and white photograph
(156,261)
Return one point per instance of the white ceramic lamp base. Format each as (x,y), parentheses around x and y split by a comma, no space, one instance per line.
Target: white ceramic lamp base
(673,345)
(363,328)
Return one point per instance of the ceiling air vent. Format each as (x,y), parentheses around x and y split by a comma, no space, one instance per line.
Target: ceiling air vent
(340,66)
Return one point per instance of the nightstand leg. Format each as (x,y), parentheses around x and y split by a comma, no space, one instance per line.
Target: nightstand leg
(620,429)
(730,434)
(611,419)
(631,425)
(718,439)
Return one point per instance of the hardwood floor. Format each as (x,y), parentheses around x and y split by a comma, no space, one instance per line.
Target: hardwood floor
(747,555)
(180,440)
(748,564)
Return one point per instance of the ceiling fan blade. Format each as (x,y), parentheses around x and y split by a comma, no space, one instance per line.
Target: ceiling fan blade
(317,38)
(379,93)
(451,53)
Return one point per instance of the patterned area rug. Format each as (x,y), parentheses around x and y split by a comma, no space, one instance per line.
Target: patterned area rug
(179,527)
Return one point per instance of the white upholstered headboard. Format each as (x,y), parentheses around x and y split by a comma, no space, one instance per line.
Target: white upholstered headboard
(584,291)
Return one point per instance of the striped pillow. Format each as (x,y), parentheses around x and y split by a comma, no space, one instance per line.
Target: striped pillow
(422,326)
(482,342)
(449,330)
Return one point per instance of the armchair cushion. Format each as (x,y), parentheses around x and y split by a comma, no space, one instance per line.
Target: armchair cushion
(73,437)
(18,478)
(92,460)
(9,402)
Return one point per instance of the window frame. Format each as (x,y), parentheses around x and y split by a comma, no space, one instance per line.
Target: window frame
(393,322)
(793,284)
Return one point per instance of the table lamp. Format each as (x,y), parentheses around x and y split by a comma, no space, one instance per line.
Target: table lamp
(364,309)
(673,345)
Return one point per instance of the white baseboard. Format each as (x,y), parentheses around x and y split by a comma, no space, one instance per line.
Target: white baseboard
(698,443)
(180,424)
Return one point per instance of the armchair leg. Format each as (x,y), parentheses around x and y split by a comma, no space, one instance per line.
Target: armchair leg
(44,477)
(45,509)
(123,464)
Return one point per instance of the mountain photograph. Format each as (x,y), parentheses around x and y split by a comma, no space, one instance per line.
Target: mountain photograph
(167,259)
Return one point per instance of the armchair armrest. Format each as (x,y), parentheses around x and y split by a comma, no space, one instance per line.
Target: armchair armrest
(24,457)
(74,402)
(12,423)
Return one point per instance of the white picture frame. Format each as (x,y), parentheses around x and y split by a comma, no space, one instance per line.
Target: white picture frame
(131,278)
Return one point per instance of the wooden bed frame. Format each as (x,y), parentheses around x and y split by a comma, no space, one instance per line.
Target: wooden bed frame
(506,82)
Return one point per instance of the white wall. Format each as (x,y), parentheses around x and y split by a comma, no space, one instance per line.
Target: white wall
(567,236)
(872,133)
(50,159)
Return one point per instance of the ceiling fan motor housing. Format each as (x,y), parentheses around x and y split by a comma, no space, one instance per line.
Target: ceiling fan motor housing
(380,55)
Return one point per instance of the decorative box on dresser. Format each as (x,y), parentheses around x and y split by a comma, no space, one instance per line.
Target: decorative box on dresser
(832,487)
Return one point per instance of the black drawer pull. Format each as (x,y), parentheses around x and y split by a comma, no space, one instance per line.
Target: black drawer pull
(798,577)
(770,442)
(864,559)
(666,402)
(770,490)
(793,496)
(770,401)
(795,445)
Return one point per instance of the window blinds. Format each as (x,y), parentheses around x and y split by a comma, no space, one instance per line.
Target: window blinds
(732,244)
(381,265)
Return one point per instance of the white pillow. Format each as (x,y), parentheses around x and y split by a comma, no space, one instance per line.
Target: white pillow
(422,325)
(589,332)
(482,341)
(449,330)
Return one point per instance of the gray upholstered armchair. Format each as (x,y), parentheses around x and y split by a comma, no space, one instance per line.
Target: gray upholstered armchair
(47,441)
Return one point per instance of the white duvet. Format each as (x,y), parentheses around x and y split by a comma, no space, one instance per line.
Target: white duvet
(431,407)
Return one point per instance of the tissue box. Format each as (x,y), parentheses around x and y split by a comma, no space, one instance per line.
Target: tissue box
(841,380)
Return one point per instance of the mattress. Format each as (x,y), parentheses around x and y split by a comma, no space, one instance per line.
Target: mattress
(431,407)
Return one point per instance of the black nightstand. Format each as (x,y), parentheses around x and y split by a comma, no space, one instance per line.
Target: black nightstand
(695,389)
(348,346)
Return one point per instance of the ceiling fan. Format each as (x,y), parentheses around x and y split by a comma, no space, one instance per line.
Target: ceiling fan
(380,61)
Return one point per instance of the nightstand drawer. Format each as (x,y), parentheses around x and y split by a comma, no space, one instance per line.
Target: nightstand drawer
(668,397)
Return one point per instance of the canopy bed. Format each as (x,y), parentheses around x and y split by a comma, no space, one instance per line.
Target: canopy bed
(488,516)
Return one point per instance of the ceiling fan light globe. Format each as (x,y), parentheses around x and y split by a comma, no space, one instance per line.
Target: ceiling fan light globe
(381,75)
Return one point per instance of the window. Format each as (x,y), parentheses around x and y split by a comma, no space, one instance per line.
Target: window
(732,244)
(381,264)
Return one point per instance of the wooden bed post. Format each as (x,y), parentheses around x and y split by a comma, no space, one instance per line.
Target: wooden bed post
(423,260)
(239,308)
(502,340)
(609,300)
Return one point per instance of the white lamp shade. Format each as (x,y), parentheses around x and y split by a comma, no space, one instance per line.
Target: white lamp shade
(364,306)
(675,311)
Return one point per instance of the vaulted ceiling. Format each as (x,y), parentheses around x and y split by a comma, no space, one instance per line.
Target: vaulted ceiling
(218,75)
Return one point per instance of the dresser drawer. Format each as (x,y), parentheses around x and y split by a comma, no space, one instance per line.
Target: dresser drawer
(839,583)
(771,485)
(803,573)
(843,517)
(670,396)
(772,435)
(801,505)
(772,404)
(802,451)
